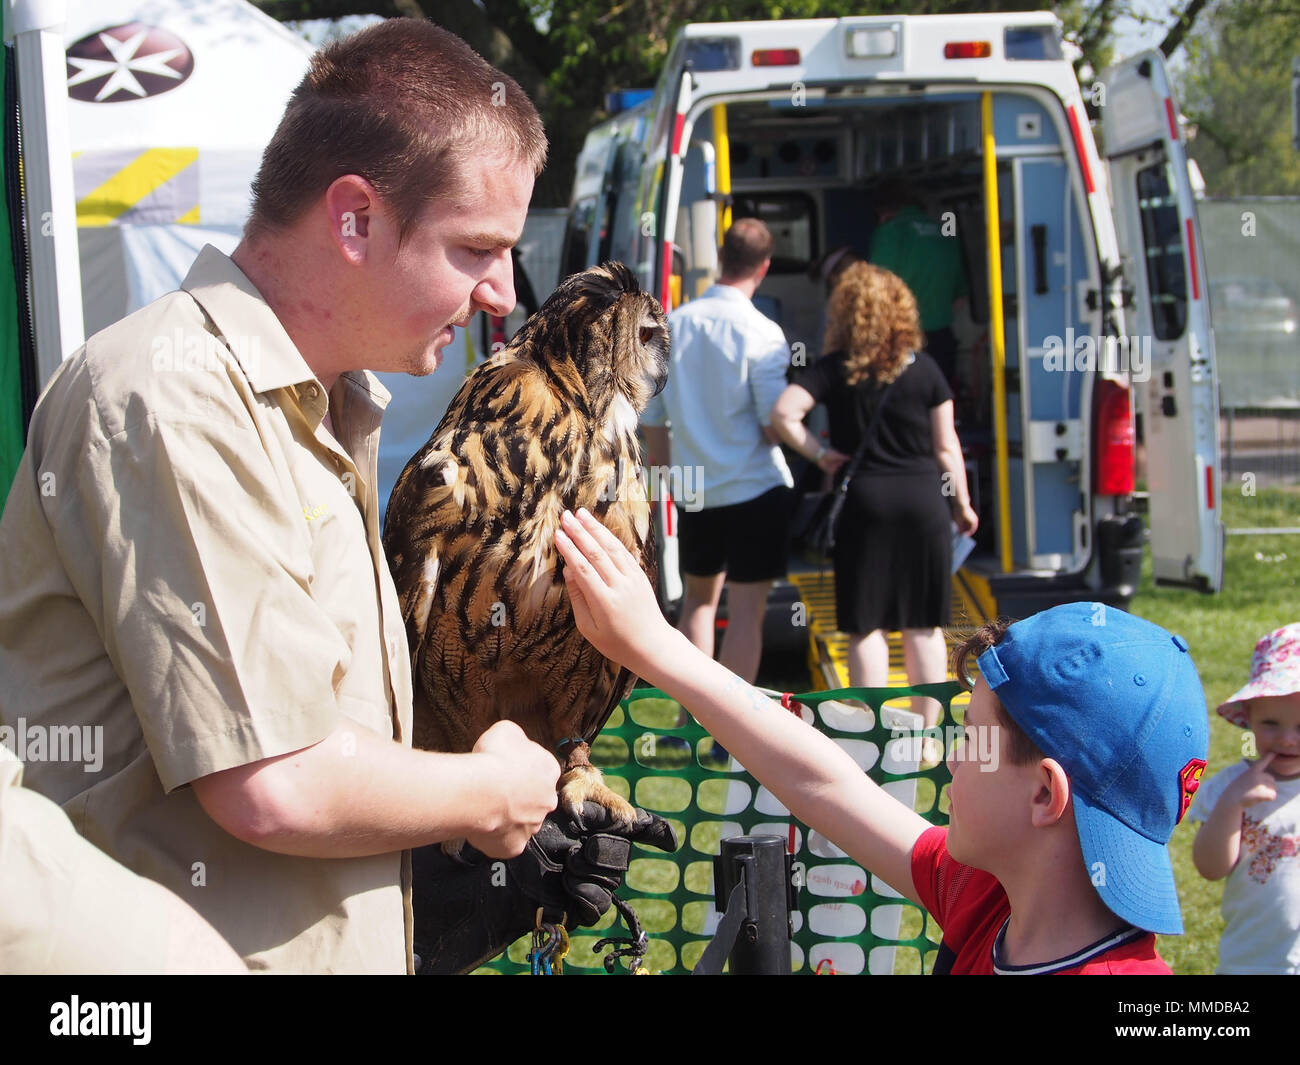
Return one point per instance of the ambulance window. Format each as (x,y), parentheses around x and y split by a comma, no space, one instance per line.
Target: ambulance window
(792,219)
(1162,239)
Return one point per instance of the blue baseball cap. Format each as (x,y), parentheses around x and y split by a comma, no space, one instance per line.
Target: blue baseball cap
(1117,702)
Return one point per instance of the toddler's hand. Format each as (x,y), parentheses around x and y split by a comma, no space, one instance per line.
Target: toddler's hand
(1255,785)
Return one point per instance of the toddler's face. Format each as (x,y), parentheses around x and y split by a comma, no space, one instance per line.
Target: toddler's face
(1275,720)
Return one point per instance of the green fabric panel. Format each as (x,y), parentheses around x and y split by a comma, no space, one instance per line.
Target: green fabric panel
(11,393)
(666,767)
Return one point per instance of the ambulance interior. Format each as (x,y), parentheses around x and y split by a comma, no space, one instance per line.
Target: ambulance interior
(811,168)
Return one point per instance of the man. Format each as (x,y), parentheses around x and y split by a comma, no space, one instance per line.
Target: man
(917,249)
(192,560)
(728,368)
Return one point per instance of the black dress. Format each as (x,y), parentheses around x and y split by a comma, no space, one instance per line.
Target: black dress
(893,553)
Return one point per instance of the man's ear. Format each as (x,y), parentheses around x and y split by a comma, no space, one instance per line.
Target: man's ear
(350,204)
(1051,794)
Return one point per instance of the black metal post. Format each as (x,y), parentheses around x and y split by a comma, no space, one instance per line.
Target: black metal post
(762,945)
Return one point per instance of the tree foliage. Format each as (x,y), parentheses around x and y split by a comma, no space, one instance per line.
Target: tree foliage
(1236,92)
(567,54)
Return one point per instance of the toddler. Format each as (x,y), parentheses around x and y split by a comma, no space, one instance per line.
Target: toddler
(1251,817)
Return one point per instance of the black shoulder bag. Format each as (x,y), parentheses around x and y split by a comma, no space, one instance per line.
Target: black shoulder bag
(813,529)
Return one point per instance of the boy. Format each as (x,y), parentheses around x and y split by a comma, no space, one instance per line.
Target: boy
(1055,858)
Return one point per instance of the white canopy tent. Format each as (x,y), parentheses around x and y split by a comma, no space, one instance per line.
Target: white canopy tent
(171,104)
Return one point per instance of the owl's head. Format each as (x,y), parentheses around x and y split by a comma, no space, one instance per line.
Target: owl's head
(601,324)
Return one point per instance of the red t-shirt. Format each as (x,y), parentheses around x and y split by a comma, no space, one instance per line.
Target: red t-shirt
(972,909)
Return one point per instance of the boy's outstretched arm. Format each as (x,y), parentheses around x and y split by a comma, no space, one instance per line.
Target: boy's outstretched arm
(819,783)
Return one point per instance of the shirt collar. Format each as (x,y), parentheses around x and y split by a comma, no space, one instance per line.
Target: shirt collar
(717,290)
(1122,937)
(254,335)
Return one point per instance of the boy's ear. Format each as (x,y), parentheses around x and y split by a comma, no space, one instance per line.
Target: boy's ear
(1051,794)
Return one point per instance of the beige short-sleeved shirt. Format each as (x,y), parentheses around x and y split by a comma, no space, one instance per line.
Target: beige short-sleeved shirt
(191,579)
(50,923)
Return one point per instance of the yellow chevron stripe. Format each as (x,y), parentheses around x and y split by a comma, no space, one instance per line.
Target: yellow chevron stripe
(146,173)
(190,217)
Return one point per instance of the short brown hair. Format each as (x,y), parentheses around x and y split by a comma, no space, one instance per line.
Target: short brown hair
(401,104)
(873,319)
(746,246)
(1020,748)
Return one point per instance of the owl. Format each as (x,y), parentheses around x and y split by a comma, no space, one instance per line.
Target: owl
(547,425)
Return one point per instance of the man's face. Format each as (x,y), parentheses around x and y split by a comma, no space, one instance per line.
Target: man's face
(454,261)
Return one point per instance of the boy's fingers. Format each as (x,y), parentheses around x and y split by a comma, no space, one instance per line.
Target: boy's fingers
(589,547)
(1263,761)
(617,555)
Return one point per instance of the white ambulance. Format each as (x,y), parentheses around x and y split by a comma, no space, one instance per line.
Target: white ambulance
(797,122)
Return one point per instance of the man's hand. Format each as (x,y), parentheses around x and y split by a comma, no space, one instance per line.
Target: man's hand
(526,775)
(467,913)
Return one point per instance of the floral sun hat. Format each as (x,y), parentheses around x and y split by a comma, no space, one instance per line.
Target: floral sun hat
(1274,670)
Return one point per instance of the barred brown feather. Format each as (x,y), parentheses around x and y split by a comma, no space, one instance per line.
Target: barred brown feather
(547,425)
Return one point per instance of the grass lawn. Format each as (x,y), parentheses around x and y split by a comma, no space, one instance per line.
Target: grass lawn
(1261,591)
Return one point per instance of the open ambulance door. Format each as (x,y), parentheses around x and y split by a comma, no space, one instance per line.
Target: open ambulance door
(1170,357)
(666,164)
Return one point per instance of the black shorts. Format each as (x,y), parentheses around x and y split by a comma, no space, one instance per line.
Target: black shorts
(748,540)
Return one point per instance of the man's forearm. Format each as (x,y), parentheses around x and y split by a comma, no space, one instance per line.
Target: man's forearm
(356,793)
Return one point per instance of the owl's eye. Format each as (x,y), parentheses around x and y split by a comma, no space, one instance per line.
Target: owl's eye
(646,333)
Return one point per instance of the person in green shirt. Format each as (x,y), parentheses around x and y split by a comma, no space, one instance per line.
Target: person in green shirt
(928,258)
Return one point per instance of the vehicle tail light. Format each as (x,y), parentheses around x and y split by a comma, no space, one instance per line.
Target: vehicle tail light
(775,57)
(1116,440)
(967,50)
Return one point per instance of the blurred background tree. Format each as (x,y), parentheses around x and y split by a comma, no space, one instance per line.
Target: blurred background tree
(1235,89)
(567,54)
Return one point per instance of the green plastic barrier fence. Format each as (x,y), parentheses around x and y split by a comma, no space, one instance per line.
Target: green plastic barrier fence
(656,754)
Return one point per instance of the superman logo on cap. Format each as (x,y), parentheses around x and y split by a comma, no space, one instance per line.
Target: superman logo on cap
(1189,780)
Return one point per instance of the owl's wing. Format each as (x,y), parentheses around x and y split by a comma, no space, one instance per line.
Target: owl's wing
(426,509)
(411,541)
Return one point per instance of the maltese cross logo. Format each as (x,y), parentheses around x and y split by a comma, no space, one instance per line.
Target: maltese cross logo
(128,62)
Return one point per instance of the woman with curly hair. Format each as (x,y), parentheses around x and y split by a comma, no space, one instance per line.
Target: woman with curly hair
(893,552)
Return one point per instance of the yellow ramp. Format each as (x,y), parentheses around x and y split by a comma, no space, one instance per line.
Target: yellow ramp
(972,605)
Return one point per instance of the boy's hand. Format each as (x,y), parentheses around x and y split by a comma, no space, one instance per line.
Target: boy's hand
(613,604)
(525,775)
(1255,785)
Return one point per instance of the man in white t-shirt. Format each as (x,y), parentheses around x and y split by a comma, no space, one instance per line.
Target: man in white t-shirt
(712,418)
